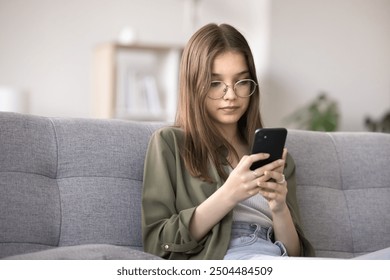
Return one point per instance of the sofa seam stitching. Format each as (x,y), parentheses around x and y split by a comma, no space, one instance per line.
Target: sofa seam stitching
(71,177)
(108,177)
(56,178)
(355,189)
(343,190)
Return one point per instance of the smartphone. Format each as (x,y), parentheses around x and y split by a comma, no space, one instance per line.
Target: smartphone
(270,141)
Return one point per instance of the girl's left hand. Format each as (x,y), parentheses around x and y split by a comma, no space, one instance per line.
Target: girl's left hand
(273,187)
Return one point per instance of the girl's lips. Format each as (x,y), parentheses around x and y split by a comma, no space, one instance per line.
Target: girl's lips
(229,108)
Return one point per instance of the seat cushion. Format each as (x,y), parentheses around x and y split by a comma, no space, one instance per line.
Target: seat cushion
(87,252)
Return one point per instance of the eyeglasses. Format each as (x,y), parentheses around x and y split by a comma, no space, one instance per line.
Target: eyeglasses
(243,88)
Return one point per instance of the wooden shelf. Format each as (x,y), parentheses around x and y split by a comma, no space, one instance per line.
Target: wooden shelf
(137,82)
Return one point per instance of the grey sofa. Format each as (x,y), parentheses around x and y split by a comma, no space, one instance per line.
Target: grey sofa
(71,189)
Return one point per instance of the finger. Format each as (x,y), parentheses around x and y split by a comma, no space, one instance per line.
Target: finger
(268,195)
(256,174)
(269,186)
(277,176)
(277,184)
(247,160)
(259,156)
(272,190)
(284,157)
(252,189)
(266,177)
(276,165)
(250,160)
(282,180)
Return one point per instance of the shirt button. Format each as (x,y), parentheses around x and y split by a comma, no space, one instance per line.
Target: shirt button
(166,247)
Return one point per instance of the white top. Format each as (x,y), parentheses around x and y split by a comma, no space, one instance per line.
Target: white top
(253,210)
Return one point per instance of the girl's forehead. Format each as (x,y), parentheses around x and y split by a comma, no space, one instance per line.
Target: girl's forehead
(229,63)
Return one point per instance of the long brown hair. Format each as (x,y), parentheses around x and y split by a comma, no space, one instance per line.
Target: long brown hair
(202,141)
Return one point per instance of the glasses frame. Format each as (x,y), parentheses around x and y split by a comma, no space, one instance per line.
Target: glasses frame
(225,90)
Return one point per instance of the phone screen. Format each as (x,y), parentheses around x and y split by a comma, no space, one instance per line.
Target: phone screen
(271,141)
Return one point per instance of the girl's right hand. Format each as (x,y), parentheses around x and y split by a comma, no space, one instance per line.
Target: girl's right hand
(242,182)
(240,185)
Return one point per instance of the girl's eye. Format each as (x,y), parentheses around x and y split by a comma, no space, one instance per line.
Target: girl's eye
(215,84)
(242,82)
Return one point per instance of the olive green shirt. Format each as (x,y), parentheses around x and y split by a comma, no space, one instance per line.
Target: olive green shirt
(171,195)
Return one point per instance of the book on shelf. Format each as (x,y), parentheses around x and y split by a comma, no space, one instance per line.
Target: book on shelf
(150,89)
(138,95)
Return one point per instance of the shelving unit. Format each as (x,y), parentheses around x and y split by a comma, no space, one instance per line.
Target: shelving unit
(135,82)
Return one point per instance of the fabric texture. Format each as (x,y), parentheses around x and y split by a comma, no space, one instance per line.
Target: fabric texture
(343,190)
(67,182)
(87,252)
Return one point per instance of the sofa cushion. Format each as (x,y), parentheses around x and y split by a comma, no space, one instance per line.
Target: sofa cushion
(364,163)
(67,181)
(100,210)
(100,173)
(30,207)
(342,191)
(87,252)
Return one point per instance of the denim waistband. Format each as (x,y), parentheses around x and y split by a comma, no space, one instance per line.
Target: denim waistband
(244,228)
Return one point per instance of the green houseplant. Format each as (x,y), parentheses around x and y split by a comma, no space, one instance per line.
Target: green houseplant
(322,114)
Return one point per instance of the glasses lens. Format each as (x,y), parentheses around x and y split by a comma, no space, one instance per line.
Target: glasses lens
(217,90)
(245,88)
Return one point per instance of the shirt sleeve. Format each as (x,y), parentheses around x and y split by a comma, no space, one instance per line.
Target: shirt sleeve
(165,228)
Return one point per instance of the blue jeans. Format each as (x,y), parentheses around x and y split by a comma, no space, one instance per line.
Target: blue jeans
(252,241)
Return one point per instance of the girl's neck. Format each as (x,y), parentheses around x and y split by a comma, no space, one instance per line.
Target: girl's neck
(231,134)
(234,138)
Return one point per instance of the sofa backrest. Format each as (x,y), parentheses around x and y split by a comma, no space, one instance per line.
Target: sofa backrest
(343,189)
(67,181)
(70,181)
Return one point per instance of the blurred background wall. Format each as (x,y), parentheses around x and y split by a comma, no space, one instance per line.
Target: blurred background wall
(301,47)
(340,47)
